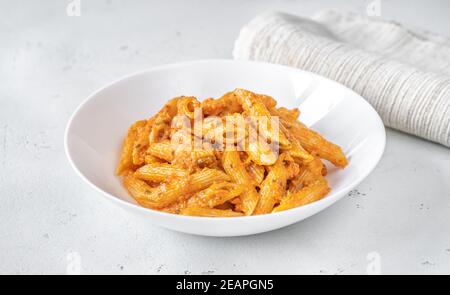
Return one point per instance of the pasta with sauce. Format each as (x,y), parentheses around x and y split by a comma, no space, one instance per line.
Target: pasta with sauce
(237,155)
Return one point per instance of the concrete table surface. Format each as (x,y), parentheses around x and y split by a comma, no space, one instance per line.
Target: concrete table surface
(51,222)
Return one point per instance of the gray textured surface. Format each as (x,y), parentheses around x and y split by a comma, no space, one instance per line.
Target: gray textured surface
(50,62)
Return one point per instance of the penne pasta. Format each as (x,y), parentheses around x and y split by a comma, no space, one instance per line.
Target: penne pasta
(209,212)
(306,195)
(246,157)
(228,103)
(168,193)
(261,153)
(126,157)
(139,190)
(257,172)
(162,150)
(256,108)
(273,187)
(187,105)
(149,159)
(315,144)
(205,178)
(308,173)
(268,101)
(234,167)
(296,149)
(286,114)
(161,121)
(176,207)
(141,143)
(215,195)
(195,160)
(159,172)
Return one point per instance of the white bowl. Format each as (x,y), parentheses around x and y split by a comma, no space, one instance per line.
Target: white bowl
(95,132)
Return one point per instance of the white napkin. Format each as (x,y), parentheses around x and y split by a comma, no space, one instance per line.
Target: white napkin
(403,73)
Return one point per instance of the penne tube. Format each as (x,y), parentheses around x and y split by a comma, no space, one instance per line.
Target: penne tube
(162,150)
(259,151)
(273,187)
(209,212)
(308,174)
(286,114)
(292,170)
(126,157)
(141,143)
(149,159)
(216,194)
(159,172)
(306,195)
(228,103)
(161,121)
(268,101)
(254,107)
(296,149)
(204,158)
(257,172)
(139,190)
(195,160)
(204,178)
(226,206)
(315,144)
(262,154)
(187,105)
(168,193)
(176,207)
(234,167)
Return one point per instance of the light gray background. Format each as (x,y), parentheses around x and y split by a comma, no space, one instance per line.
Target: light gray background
(50,62)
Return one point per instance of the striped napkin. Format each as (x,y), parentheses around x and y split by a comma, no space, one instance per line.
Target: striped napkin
(404,73)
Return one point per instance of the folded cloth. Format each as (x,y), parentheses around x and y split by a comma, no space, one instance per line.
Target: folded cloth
(403,73)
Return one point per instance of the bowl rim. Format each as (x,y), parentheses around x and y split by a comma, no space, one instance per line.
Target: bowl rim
(333,197)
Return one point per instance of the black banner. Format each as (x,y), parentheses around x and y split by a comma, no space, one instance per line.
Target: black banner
(217,284)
